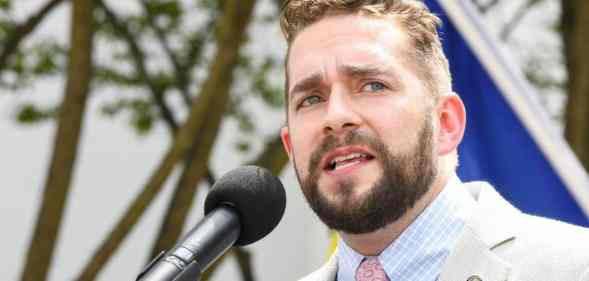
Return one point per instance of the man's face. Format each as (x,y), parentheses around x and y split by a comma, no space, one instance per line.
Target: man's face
(360,129)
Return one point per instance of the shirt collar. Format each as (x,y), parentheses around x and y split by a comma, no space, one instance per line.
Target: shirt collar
(419,252)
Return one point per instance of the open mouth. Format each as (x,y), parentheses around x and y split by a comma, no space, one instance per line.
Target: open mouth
(340,161)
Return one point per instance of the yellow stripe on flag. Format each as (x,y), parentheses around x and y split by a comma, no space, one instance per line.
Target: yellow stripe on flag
(333,238)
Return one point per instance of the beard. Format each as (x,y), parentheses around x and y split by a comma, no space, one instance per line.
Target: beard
(405,178)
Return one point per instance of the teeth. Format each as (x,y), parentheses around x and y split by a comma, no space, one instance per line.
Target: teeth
(336,162)
(348,157)
(343,165)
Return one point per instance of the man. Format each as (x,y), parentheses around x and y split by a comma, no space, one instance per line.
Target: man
(373,129)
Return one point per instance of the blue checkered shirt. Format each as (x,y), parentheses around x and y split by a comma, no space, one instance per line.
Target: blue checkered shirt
(419,253)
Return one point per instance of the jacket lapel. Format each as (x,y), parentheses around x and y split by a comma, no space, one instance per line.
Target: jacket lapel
(491,225)
(472,258)
(327,272)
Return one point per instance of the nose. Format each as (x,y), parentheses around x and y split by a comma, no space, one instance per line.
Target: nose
(341,115)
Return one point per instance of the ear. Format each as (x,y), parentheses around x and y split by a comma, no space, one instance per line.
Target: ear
(285,137)
(452,122)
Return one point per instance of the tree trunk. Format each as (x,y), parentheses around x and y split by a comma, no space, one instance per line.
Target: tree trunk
(203,122)
(575,25)
(65,147)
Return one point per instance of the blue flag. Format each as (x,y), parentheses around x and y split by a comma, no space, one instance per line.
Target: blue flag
(507,140)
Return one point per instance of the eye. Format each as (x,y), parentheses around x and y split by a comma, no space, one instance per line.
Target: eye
(373,86)
(310,100)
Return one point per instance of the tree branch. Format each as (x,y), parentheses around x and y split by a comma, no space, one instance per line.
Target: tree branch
(179,71)
(138,59)
(214,95)
(21,31)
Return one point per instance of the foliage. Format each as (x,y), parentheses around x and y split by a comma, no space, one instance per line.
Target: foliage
(173,45)
(28,64)
(142,112)
(5,4)
(162,51)
(29,113)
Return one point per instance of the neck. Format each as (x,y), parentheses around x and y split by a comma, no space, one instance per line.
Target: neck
(373,243)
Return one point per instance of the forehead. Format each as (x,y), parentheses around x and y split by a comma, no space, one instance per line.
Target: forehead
(350,39)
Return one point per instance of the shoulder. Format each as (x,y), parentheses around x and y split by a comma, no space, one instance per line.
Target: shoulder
(543,238)
(537,248)
(549,247)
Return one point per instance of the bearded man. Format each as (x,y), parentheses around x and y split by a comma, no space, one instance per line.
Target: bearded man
(373,128)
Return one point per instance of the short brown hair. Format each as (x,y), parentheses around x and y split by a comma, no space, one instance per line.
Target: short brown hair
(417,20)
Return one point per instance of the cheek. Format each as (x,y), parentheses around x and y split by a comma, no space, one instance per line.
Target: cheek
(397,128)
(305,130)
(301,146)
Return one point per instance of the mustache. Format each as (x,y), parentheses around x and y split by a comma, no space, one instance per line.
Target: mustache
(332,142)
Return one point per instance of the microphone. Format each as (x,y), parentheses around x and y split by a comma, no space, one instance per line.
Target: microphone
(242,207)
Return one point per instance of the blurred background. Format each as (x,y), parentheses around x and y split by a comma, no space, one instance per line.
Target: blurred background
(116,117)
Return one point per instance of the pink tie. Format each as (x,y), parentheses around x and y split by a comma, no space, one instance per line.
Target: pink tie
(371,270)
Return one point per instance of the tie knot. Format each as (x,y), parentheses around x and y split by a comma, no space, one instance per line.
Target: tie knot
(371,270)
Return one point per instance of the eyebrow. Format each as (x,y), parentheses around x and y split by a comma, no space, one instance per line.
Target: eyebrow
(310,82)
(359,71)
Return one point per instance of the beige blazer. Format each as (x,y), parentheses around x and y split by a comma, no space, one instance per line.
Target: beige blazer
(499,243)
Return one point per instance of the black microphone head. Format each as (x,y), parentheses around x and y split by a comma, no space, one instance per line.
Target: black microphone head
(256,195)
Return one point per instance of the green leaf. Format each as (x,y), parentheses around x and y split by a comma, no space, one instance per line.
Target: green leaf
(141,110)
(106,75)
(262,85)
(164,80)
(5,5)
(46,58)
(7,26)
(142,117)
(243,146)
(210,4)
(18,63)
(136,24)
(169,8)
(167,12)
(142,122)
(31,114)
(244,122)
(112,109)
